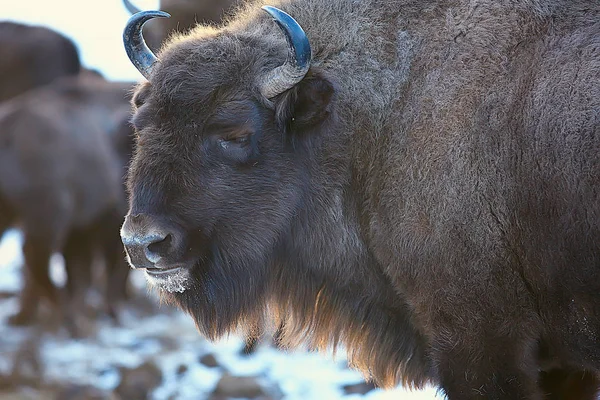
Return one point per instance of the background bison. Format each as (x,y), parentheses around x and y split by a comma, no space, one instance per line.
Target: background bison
(63,153)
(422,186)
(33,56)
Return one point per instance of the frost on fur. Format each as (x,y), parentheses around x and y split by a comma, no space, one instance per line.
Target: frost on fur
(176,282)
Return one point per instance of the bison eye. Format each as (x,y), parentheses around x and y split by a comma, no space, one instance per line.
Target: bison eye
(240,140)
(238,147)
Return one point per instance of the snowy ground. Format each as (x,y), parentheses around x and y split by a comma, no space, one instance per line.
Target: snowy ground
(168,339)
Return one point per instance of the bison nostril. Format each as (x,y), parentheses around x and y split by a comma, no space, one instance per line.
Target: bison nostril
(161,247)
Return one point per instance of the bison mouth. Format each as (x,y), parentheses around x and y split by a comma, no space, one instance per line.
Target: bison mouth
(162,272)
(169,279)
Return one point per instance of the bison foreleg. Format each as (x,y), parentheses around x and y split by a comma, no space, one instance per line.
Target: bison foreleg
(78,263)
(37,283)
(29,301)
(498,369)
(78,255)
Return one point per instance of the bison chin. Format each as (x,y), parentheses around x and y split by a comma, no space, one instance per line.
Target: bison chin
(222,294)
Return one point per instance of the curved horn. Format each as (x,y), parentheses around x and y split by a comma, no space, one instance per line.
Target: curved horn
(131,7)
(297,64)
(138,52)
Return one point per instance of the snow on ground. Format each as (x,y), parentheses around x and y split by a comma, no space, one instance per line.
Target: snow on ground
(169,339)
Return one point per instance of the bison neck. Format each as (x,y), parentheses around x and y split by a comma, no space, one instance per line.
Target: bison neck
(327,290)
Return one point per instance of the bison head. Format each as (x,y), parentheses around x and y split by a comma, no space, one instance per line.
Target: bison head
(225,140)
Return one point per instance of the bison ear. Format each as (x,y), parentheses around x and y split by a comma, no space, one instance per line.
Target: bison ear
(306,105)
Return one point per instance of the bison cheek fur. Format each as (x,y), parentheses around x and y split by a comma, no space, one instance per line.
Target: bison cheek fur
(228,285)
(234,216)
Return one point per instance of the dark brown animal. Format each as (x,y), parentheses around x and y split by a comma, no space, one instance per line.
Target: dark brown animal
(423,186)
(33,56)
(185,14)
(63,152)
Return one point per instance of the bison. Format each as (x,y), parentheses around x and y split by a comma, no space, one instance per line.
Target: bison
(63,152)
(416,180)
(185,15)
(33,56)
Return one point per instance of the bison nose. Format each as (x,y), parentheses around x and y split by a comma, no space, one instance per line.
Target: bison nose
(145,242)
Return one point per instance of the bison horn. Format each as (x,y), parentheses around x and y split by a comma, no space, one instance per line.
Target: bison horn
(296,66)
(135,46)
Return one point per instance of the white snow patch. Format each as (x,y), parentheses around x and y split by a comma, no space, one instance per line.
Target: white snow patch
(11,260)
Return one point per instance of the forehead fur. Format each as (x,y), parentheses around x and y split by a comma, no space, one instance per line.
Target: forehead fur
(208,64)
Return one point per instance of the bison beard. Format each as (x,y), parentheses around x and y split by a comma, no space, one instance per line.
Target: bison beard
(223,297)
(420,187)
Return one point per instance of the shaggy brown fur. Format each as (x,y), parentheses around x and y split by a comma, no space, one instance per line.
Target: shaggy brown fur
(185,14)
(63,152)
(32,56)
(427,196)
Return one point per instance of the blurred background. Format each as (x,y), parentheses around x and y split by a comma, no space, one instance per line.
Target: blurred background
(75,323)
